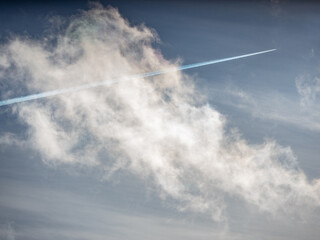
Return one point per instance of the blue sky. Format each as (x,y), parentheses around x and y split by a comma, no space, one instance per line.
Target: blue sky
(228,151)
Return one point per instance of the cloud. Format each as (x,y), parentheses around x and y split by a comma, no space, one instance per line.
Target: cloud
(155,128)
(11,139)
(309,91)
(301,111)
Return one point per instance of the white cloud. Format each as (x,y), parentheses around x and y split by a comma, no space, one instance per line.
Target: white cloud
(155,128)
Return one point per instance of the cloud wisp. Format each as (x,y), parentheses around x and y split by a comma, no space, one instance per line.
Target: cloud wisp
(300,110)
(7,231)
(155,128)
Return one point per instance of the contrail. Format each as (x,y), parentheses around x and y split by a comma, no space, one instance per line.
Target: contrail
(108,82)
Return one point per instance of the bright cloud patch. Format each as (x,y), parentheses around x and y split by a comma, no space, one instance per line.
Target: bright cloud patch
(155,128)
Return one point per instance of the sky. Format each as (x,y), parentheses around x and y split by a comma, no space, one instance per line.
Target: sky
(225,151)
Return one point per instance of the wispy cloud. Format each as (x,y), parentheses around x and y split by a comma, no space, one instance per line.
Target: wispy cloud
(7,231)
(155,128)
(300,111)
(309,90)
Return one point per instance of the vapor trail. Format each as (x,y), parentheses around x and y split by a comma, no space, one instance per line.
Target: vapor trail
(108,82)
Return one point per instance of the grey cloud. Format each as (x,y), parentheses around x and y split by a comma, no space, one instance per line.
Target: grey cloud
(155,128)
